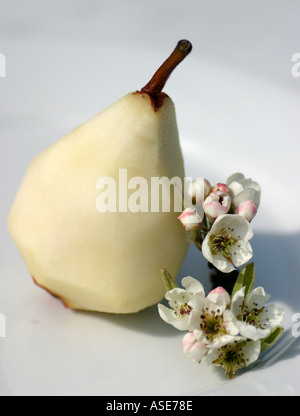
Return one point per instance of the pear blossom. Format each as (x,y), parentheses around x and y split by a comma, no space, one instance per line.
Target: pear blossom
(235,356)
(243,189)
(247,209)
(216,204)
(190,218)
(184,304)
(196,192)
(225,331)
(221,187)
(254,320)
(214,326)
(227,245)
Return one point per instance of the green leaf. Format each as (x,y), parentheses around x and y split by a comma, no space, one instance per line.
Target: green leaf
(168,280)
(245,278)
(271,339)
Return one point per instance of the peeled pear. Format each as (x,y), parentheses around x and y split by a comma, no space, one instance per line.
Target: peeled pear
(104,261)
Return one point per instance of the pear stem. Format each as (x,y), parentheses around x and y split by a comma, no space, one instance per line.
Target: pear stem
(159,79)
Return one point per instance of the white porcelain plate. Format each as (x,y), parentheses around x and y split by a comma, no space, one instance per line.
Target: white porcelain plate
(232,120)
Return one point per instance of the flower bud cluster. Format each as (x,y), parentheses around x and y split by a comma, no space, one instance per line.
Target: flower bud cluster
(219,217)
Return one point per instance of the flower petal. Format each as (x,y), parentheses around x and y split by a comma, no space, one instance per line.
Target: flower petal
(192,348)
(192,285)
(249,183)
(237,226)
(170,317)
(197,191)
(251,351)
(235,177)
(222,264)
(247,210)
(241,253)
(251,331)
(237,301)
(272,316)
(224,340)
(177,295)
(221,291)
(206,249)
(215,303)
(230,323)
(247,194)
(257,298)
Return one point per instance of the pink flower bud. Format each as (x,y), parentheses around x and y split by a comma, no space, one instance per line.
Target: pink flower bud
(221,187)
(221,291)
(197,191)
(190,219)
(218,290)
(217,203)
(247,210)
(192,348)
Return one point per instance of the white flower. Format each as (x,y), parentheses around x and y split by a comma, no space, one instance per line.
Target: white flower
(211,326)
(214,326)
(243,189)
(190,218)
(216,204)
(184,304)
(234,356)
(247,210)
(226,245)
(254,320)
(209,318)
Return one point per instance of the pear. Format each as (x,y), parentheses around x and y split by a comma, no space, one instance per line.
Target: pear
(104,261)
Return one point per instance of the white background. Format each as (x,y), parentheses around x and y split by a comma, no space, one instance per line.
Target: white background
(237,109)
